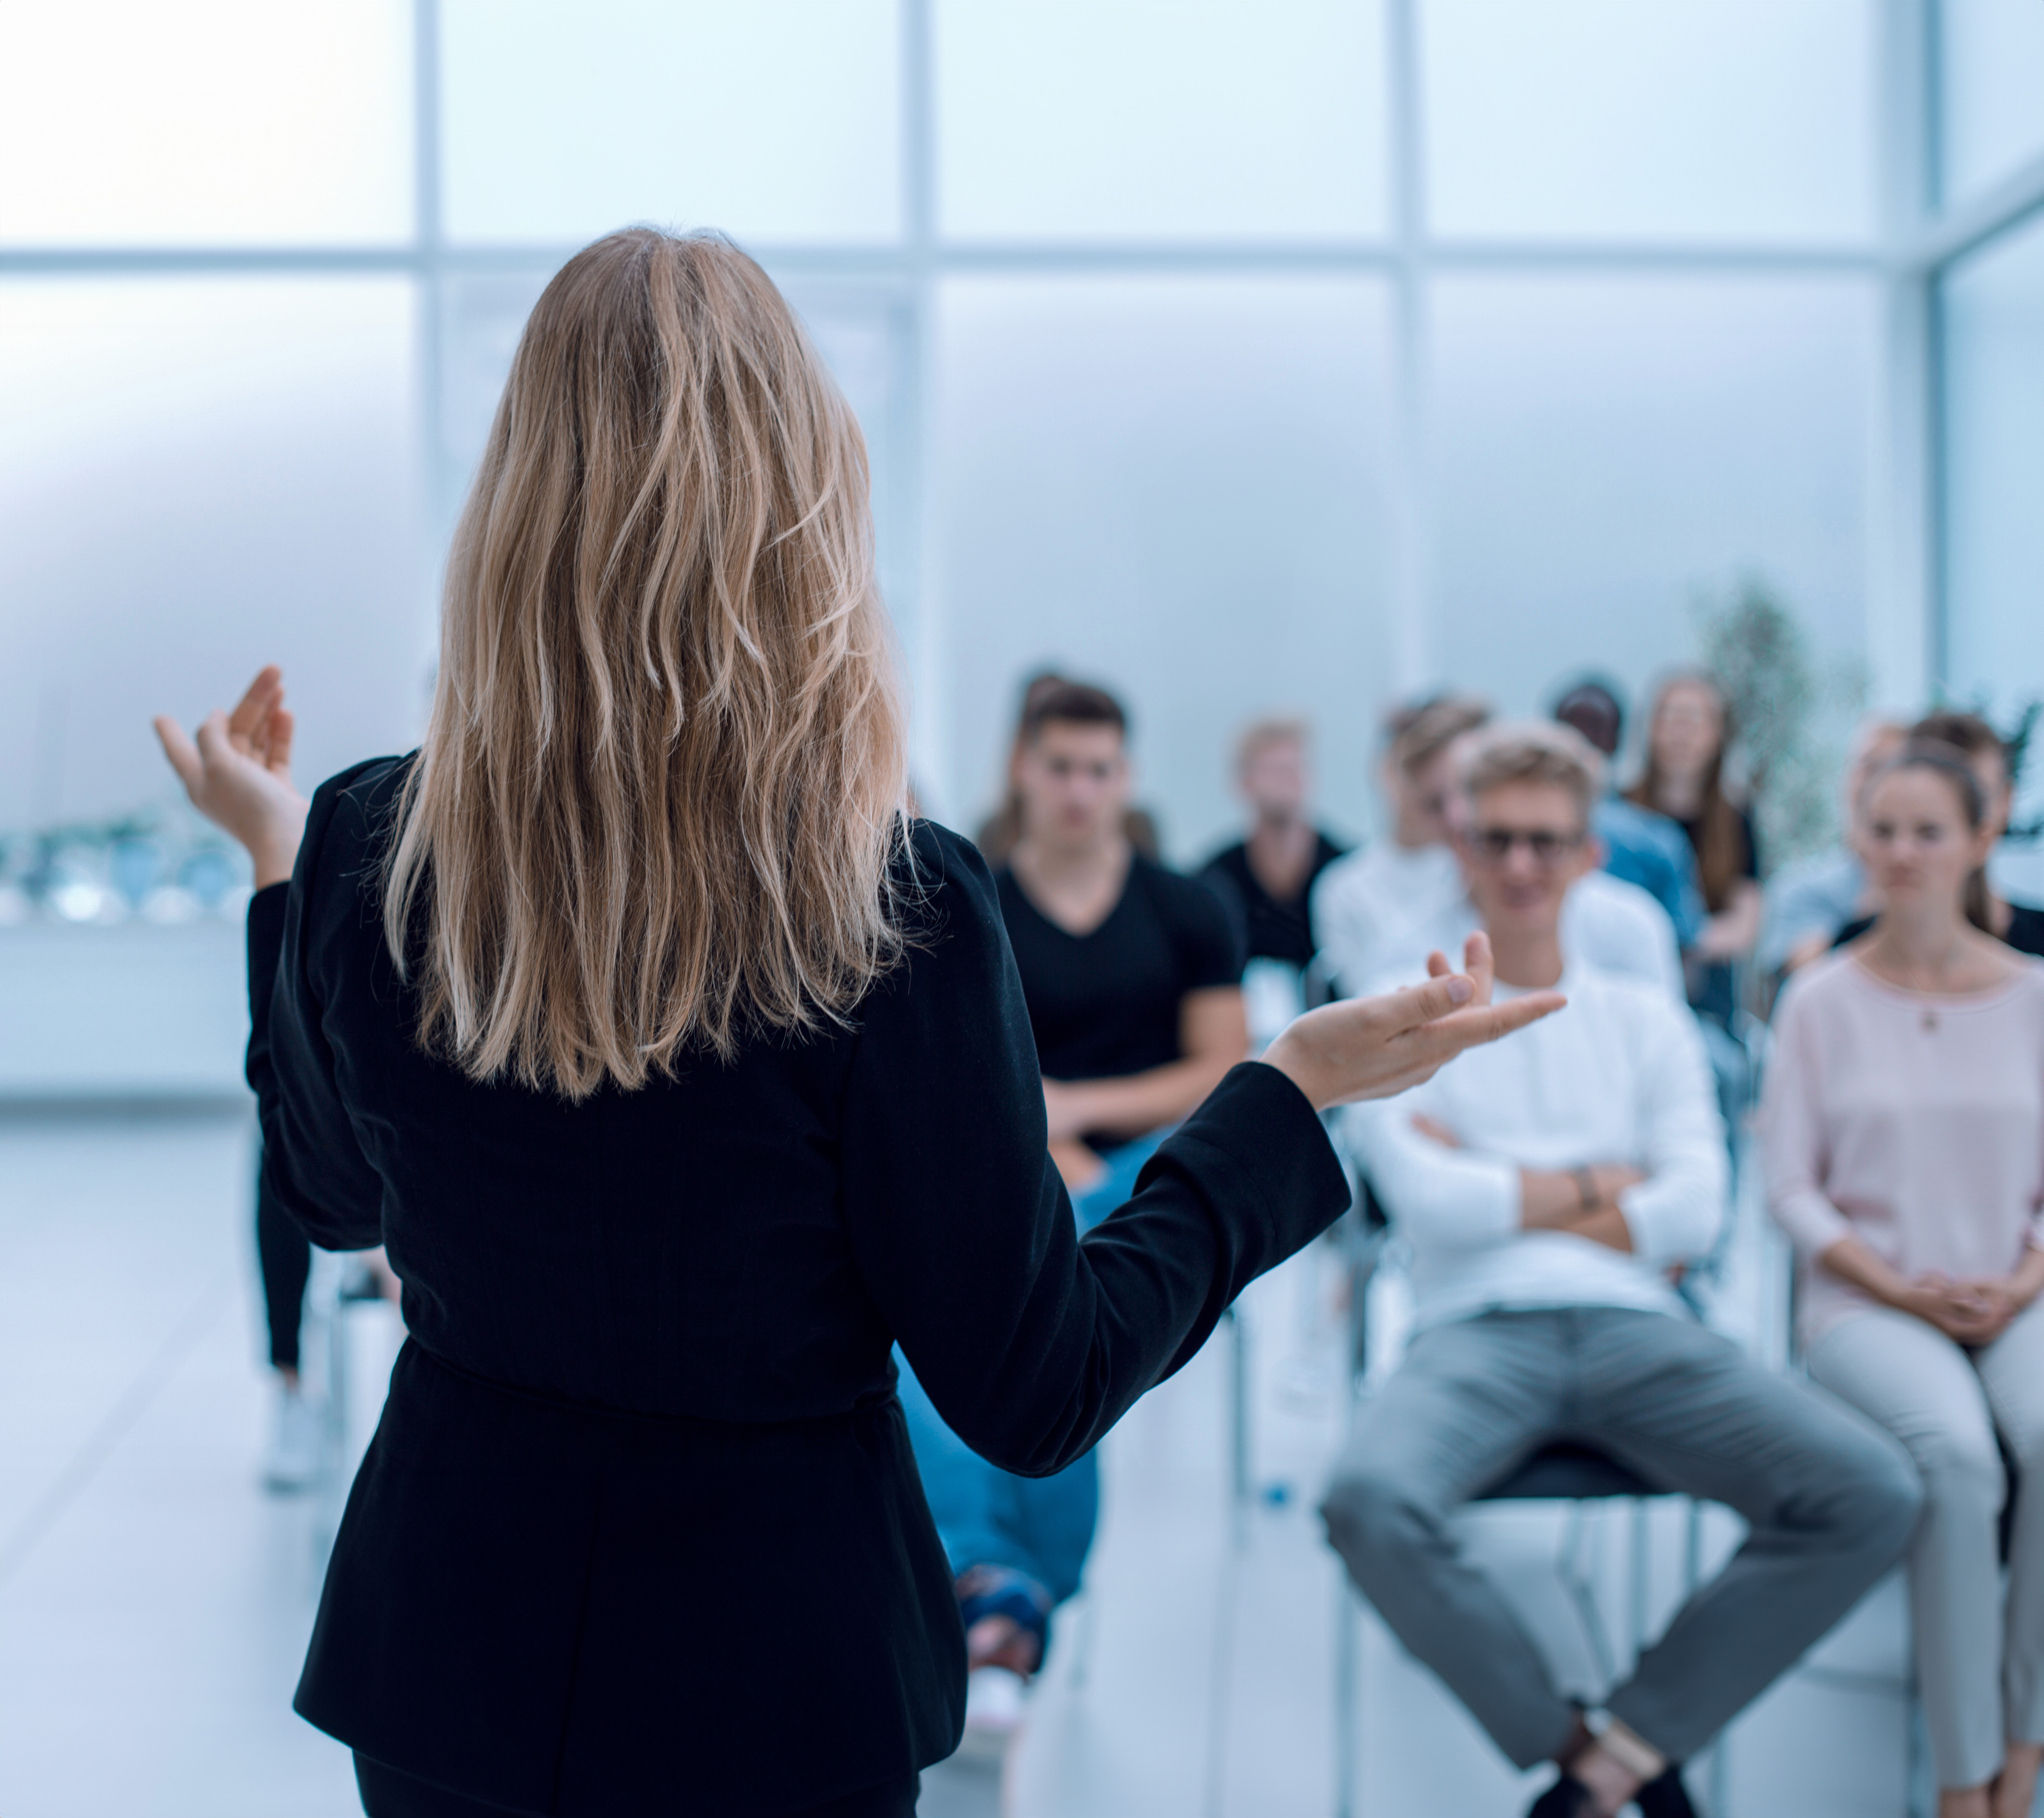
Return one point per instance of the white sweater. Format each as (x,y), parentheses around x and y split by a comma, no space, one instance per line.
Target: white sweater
(1379,912)
(1619,1076)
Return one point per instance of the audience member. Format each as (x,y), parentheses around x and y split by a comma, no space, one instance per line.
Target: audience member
(1905,1158)
(1382,911)
(1000,830)
(2019,924)
(1546,1190)
(1807,903)
(1688,736)
(1267,877)
(1132,980)
(1641,845)
(1386,907)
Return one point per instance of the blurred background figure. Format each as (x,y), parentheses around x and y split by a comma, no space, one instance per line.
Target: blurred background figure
(1808,902)
(1687,734)
(1388,905)
(1132,977)
(1267,878)
(1640,846)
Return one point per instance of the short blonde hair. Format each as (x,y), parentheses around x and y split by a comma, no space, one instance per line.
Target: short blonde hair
(1420,731)
(1534,751)
(1259,735)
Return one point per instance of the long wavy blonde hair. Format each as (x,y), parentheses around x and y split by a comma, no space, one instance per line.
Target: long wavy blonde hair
(660,799)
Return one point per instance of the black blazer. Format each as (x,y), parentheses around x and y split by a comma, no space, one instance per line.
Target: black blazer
(640,1530)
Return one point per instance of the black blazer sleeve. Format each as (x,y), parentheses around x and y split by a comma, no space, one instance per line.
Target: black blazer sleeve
(312,1160)
(1031,1342)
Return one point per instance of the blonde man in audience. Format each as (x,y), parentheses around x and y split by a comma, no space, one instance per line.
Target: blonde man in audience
(1382,910)
(1546,1190)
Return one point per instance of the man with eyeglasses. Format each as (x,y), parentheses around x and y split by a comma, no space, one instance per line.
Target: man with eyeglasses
(1547,1188)
(1379,911)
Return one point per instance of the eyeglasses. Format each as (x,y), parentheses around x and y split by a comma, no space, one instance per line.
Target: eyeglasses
(1544,846)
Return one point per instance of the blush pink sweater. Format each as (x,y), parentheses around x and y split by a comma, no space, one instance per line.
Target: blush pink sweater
(1914,1123)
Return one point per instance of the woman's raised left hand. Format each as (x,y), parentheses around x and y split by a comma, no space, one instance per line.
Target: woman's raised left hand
(238,774)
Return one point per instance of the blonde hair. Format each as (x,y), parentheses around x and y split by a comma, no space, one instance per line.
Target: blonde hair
(1417,734)
(659,801)
(1259,735)
(1534,751)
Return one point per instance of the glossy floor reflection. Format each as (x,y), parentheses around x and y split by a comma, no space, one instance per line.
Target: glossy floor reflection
(155,1602)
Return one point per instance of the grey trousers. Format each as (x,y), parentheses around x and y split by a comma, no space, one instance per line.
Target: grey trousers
(1830,1501)
(1944,1403)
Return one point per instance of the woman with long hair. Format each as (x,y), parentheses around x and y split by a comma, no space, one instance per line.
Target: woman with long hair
(682,1075)
(1904,1149)
(1687,734)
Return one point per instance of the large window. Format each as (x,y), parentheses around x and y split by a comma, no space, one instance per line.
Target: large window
(1244,354)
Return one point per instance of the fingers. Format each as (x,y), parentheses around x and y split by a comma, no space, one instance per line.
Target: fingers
(255,705)
(184,755)
(215,740)
(1476,963)
(1482,1023)
(1417,1006)
(277,760)
(1437,965)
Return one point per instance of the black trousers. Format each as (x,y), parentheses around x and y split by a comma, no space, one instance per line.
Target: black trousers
(286,1261)
(387,1794)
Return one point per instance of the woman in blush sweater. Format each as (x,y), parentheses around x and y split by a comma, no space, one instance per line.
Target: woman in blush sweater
(1905,1134)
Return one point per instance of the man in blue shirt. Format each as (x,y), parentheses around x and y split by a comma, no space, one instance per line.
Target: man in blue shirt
(1640,846)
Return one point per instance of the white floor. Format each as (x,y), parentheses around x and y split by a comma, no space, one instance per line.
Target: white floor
(154,1601)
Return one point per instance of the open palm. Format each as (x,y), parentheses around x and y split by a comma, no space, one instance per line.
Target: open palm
(237,772)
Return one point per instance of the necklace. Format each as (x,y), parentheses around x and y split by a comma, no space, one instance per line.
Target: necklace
(1931,1021)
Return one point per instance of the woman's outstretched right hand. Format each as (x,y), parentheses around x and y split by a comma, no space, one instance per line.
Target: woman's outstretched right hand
(1376,1047)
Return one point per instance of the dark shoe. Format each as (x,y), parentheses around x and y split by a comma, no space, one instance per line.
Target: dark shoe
(1665,1796)
(1567,1798)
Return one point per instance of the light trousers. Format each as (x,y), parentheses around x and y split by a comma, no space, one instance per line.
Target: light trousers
(1830,1501)
(1979,1653)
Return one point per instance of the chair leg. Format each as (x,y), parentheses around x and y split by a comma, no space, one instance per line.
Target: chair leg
(1240,1487)
(1582,1590)
(1348,1674)
(1642,1563)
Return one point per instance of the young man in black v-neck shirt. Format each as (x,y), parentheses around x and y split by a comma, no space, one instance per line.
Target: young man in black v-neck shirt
(1132,974)
(1132,978)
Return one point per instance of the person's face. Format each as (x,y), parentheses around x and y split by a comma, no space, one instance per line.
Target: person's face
(1275,780)
(1916,845)
(1522,845)
(1073,779)
(1688,725)
(1425,799)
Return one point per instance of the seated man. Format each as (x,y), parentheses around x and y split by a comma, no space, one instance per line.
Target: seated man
(1380,912)
(1265,877)
(1547,1186)
(1132,979)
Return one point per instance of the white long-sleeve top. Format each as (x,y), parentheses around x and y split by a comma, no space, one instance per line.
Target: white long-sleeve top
(1619,1076)
(1379,912)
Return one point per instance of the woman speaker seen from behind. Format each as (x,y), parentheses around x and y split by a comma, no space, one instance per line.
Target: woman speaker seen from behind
(682,1075)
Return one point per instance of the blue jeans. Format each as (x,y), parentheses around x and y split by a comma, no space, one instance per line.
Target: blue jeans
(1042,1527)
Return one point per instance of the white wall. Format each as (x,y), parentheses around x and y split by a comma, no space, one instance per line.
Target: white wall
(1174,488)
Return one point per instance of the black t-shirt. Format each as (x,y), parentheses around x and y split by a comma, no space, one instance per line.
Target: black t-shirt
(1270,930)
(1105,1004)
(2026,930)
